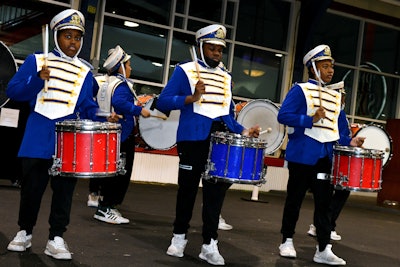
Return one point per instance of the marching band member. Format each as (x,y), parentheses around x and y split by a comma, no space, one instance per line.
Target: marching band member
(201,89)
(115,95)
(69,90)
(313,114)
(339,196)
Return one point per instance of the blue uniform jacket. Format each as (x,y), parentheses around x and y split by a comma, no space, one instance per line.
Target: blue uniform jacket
(302,148)
(192,126)
(39,137)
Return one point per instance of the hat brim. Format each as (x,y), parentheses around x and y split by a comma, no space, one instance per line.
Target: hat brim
(322,58)
(215,42)
(126,58)
(72,28)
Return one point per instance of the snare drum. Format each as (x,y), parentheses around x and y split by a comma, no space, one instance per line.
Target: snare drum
(357,169)
(87,149)
(234,158)
(158,133)
(376,138)
(264,113)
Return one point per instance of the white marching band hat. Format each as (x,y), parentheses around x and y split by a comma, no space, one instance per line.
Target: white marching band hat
(321,52)
(68,19)
(116,56)
(126,58)
(213,34)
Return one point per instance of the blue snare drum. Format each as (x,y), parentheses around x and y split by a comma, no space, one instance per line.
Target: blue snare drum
(234,158)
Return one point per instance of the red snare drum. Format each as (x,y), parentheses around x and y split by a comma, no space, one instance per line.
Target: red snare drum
(357,169)
(87,149)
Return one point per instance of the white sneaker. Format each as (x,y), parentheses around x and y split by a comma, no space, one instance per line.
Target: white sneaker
(327,257)
(222,225)
(211,254)
(312,231)
(20,242)
(58,249)
(116,211)
(178,244)
(335,236)
(287,249)
(107,215)
(93,200)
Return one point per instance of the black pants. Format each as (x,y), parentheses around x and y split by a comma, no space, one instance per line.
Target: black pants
(339,198)
(192,161)
(35,177)
(113,189)
(301,178)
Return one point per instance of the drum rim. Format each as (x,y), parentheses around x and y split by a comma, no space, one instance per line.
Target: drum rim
(16,69)
(141,130)
(86,125)
(271,149)
(389,154)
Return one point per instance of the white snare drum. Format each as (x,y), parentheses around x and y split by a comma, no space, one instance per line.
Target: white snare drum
(234,158)
(264,113)
(156,132)
(357,169)
(87,149)
(376,138)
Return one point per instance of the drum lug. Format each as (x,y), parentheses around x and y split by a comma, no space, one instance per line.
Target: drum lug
(344,179)
(121,164)
(55,168)
(263,175)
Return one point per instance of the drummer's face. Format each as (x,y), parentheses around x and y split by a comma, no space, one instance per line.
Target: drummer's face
(69,41)
(326,69)
(213,51)
(128,68)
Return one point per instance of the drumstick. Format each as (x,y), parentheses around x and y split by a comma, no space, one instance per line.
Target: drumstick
(107,114)
(320,92)
(45,39)
(192,51)
(266,131)
(159,116)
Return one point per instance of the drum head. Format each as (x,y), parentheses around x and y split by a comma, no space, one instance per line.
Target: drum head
(377,138)
(8,68)
(264,113)
(158,133)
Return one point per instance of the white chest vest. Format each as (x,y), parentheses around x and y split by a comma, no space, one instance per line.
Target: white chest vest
(217,99)
(325,130)
(107,85)
(63,88)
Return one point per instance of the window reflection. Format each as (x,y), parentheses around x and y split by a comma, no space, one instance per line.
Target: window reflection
(264,23)
(256,73)
(146,44)
(341,34)
(212,13)
(157,11)
(375,93)
(380,46)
